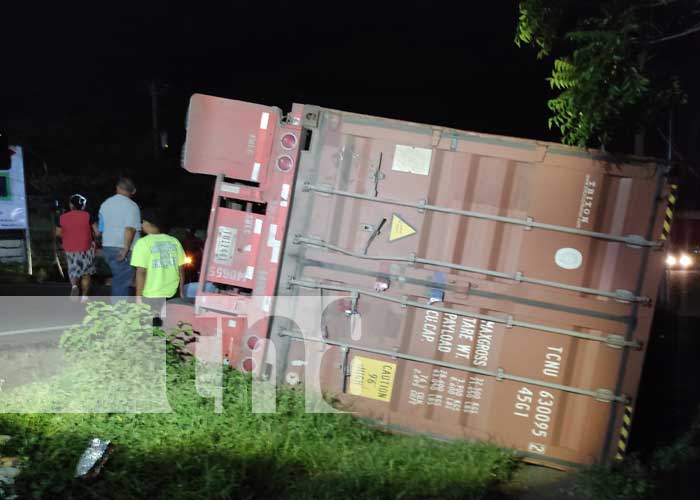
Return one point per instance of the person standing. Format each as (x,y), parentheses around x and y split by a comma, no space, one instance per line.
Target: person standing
(119,221)
(159,260)
(76,232)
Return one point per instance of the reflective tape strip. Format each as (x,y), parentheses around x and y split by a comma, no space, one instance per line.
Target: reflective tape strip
(264,119)
(624,433)
(668,215)
(255,174)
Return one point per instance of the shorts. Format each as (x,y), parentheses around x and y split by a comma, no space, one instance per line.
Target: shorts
(81,263)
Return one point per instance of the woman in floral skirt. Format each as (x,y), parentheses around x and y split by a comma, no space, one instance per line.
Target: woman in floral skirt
(76,232)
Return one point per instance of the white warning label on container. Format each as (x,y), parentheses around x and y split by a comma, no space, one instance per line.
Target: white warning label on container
(412,160)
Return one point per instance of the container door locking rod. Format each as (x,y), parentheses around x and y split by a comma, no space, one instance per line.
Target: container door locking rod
(603,395)
(622,295)
(632,240)
(612,340)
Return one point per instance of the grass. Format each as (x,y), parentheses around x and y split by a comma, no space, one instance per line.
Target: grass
(636,479)
(629,480)
(197,453)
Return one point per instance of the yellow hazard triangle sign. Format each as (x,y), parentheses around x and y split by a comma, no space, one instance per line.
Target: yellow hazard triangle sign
(400,228)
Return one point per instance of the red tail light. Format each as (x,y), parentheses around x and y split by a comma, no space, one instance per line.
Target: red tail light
(285,163)
(248,365)
(289,141)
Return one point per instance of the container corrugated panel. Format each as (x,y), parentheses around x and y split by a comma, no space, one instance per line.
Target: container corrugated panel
(474,286)
(503,288)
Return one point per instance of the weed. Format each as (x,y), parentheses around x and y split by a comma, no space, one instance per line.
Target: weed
(628,480)
(633,479)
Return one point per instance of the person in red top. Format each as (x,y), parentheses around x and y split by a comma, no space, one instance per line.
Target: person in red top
(76,231)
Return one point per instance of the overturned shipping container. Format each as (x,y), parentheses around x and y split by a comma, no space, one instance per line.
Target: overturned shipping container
(471,286)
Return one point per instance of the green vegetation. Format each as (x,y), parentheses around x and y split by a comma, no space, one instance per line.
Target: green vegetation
(629,480)
(636,479)
(194,452)
(607,70)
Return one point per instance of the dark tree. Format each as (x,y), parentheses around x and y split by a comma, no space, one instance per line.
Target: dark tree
(608,68)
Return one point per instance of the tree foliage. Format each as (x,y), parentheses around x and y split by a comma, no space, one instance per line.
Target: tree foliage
(603,61)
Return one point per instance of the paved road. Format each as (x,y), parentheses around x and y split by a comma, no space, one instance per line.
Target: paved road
(32,320)
(44,289)
(27,307)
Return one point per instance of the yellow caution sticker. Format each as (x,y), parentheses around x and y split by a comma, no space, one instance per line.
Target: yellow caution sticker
(400,228)
(372,378)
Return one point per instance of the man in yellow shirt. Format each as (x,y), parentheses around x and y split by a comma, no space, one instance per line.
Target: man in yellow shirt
(158,259)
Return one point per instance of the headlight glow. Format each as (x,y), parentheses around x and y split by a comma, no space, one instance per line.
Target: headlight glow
(671,261)
(685,261)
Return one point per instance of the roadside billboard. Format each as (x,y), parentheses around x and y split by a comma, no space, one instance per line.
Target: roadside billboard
(13,198)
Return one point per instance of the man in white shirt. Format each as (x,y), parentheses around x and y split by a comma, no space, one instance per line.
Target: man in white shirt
(120,220)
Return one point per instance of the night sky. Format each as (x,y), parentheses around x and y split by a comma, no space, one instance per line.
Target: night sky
(75,84)
(408,60)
